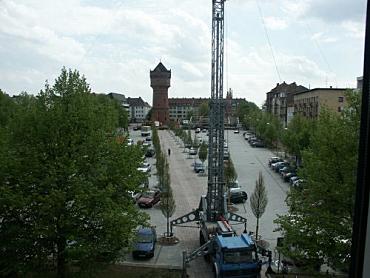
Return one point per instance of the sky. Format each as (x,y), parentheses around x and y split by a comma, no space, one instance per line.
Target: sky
(115,44)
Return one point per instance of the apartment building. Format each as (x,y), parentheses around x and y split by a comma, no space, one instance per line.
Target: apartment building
(309,103)
(280,98)
(138,110)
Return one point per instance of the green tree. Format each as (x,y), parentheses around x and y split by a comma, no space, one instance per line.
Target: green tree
(188,139)
(318,226)
(167,203)
(189,115)
(296,137)
(203,152)
(230,175)
(203,109)
(155,139)
(259,200)
(65,185)
(160,165)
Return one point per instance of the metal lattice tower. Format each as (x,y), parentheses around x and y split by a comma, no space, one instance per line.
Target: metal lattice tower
(212,207)
(216,182)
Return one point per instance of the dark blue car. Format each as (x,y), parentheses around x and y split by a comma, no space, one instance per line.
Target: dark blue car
(145,243)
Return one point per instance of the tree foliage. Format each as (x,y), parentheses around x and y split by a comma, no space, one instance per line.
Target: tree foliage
(167,204)
(229,172)
(203,152)
(318,227)
(259,200)
(64,181)
(296,137)
(203,109)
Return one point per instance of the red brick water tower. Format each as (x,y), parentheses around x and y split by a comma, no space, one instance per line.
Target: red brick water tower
(160,79)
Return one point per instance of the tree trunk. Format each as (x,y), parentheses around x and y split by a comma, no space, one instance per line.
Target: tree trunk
(61,246)
(257,229)
(168,225)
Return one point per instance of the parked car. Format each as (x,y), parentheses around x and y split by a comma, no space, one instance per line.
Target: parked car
(150,152)
(148,199)
(234,186)
(274,159)
(298,182)
(145,167)
(293,179)
(146,144)
(252,138)
(238,196)
(136,127)
(193,151)
(236,131)
(130,142)
(135,196)
(144,245)
(278,164)
(197,130)
(287,176)
(281,165)
(226,155)
(204,130)
(257,144)
(148,139)
(198,167)
(285,169)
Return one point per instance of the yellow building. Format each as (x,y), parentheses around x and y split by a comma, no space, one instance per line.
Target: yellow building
(310,103)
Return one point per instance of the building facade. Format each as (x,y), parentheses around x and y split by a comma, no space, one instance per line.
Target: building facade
(138,110)
(181,108)
(311,102)
(160,79)
(279,101)
(121,99)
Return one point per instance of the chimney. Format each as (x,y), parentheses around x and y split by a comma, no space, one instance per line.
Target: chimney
(331,87)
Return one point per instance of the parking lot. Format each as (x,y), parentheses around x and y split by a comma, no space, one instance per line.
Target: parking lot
(188,187)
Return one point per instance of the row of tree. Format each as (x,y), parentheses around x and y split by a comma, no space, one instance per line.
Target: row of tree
(167,204)
(318,227)
(65,180)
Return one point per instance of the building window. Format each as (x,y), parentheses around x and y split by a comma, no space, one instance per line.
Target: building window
(340,99)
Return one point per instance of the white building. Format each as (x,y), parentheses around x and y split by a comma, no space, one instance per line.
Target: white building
(139,109)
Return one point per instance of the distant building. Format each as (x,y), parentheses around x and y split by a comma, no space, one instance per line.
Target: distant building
(309,103)
(120,98)
(279,101)
(160,79)
(181,107)
(359,83)
(138,110)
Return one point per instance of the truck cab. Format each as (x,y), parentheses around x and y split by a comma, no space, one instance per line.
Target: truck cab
(235,256)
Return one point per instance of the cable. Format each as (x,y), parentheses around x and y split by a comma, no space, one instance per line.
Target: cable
(321,53)
(268,40)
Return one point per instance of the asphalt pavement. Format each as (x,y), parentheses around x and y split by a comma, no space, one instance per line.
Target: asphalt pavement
(188,187)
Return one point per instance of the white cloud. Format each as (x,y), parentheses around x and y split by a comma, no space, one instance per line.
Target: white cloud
(354,29)
(275,23)
(323,37)
(115,44)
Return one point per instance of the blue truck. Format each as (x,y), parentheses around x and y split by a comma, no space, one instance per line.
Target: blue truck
(235,256)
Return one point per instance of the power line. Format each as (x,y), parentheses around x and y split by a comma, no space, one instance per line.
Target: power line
(321,52)
(268,40)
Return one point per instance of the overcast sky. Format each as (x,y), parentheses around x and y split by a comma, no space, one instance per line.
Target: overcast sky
(316,43)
